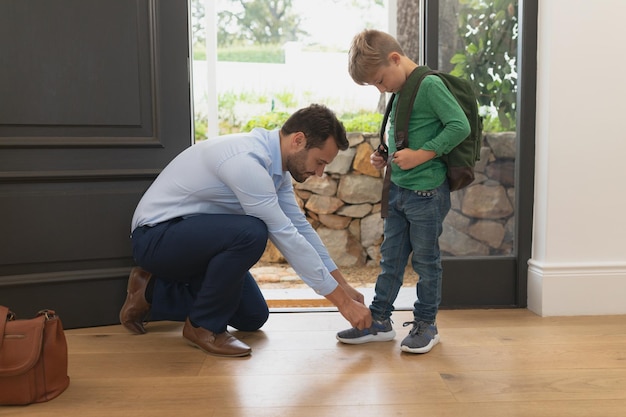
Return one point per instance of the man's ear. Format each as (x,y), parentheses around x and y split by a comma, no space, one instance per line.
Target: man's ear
(298,140)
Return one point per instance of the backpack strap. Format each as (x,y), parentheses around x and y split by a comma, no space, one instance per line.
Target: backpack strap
(406,98)
(404,108)
(384,202)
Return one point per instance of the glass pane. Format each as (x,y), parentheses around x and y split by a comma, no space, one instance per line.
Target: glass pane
(274,57)
(478,40)
(261,80)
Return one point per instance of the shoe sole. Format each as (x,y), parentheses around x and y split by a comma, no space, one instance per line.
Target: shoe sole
(378,337)
(424,349)
(134,327)
(136,330)
(236,355)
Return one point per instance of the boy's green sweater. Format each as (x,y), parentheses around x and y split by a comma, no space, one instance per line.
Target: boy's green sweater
(437,124)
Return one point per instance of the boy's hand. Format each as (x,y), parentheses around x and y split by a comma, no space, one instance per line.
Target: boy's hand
(409,158)
(378,159)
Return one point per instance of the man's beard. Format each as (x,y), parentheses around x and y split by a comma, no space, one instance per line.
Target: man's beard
(296,166)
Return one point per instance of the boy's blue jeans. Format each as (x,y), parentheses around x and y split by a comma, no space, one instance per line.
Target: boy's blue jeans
(414,224)
(200,266)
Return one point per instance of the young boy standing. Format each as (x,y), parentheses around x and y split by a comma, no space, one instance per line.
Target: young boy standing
(419,195)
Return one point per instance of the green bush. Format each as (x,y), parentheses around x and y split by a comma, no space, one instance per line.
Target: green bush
(272,54)
(268,121)
(199,52)
(268,54)
(362,122)
(489,31)
(200,129)
(494,124)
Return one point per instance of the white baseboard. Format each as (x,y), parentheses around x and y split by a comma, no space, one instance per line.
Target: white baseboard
(576,289)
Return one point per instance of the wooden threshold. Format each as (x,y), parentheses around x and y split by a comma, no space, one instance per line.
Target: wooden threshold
(299,303)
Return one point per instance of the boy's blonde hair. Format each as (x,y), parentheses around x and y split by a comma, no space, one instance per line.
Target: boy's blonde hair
(369,52)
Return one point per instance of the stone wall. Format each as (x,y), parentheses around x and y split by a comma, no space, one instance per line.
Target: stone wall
(344,205)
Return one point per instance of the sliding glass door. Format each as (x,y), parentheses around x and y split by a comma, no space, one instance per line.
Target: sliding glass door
(487,235)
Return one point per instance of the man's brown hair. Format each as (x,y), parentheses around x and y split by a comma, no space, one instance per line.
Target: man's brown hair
(317,122)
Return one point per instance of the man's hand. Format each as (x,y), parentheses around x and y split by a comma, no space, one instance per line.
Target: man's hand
(352,292)
(355,312)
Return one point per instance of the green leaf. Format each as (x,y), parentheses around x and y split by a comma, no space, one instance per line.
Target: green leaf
(458,58)
(488,30)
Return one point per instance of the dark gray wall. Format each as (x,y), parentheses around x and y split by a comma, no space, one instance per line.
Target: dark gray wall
(94,101)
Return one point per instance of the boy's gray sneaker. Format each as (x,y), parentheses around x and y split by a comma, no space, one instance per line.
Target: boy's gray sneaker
(379,331)
(422,337)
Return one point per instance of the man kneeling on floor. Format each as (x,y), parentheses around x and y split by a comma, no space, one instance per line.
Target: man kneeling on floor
(205,221)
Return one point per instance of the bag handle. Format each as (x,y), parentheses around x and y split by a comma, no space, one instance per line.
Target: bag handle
(5,315)
(405,104)
(49,314)
(384,201)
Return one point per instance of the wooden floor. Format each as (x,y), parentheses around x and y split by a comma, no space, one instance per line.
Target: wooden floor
(490,363)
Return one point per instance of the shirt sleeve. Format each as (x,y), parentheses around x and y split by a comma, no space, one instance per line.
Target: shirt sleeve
(253,186)
(445,107)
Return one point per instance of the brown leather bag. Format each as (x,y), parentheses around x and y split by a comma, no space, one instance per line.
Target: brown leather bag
(33,358)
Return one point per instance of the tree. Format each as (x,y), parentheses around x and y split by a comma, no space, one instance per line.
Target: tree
(408,27)
(479,39)
(258,22)
(489,30)
(407,34)
(197,23)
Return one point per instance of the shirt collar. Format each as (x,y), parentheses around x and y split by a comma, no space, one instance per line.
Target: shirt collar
(274,144)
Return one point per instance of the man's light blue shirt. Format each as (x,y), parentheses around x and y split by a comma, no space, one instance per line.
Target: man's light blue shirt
(240,174)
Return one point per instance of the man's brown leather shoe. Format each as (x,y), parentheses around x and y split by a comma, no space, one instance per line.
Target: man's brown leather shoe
(220,344)
(136,308)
